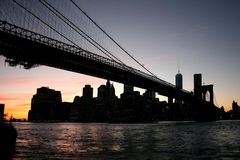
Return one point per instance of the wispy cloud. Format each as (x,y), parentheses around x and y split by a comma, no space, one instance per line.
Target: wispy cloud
(23,104)
(3,99)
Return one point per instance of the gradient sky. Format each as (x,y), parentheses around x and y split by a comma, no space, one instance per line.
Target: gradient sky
(199,36)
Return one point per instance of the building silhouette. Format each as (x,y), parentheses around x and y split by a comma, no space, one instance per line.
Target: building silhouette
(46,105)
(88,92)
(98,109)
(1,112)
(179,84)
(106,102)
(131,107)
(102,91)
(179,80)
(82,107)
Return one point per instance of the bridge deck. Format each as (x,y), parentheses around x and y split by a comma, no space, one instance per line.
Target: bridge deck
(21,46)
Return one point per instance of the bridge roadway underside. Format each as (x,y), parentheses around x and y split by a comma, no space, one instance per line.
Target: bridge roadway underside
(25,50)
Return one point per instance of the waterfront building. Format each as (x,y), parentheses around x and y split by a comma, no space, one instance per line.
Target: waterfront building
(46,105)
(88,92)
(106,107)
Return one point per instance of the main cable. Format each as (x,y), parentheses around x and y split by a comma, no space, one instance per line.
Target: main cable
(77,29)
(45,23)
(112,39)
(215,98)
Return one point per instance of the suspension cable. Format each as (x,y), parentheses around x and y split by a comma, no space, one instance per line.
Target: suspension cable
(112,39)
(45,23)
(215,98)
(77,29)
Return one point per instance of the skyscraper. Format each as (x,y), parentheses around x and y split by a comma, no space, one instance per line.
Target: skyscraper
(46,105)
(110,90)
(179,80)
(102,93)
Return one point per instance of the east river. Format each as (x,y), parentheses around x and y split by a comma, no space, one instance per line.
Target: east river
(151,141)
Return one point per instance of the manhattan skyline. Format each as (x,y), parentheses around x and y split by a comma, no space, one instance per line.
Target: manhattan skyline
(199,36)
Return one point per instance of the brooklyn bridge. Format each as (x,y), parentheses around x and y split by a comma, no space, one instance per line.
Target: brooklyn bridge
(29,37)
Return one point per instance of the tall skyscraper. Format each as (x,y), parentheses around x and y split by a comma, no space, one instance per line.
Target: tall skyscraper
(179,80)
(110,90)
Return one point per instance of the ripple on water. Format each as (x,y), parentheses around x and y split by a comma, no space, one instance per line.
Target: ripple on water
(163,140)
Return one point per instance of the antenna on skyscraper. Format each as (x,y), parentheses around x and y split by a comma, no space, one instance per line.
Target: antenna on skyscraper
(178,69)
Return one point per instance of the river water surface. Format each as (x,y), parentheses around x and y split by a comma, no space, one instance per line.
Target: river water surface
(100,141)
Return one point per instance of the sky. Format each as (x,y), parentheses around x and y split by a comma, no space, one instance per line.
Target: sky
(198,36)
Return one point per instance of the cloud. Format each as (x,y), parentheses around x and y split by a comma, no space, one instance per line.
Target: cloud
(23,104)
(3,99)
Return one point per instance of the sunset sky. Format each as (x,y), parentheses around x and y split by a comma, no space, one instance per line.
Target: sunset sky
(199,36)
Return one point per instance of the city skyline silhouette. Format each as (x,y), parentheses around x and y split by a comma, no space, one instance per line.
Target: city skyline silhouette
(201,37)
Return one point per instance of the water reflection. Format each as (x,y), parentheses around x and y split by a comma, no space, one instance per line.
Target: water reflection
(168,140)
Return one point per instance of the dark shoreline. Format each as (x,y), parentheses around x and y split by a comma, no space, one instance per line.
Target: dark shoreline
(8,136)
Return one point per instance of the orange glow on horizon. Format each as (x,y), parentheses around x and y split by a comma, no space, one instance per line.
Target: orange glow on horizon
(17,89)
(18,108)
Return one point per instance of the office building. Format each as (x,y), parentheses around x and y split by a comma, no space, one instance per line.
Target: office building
(88,92)
(179,80)
(46,105)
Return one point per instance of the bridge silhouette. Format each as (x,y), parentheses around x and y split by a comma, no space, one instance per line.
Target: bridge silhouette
(22,46)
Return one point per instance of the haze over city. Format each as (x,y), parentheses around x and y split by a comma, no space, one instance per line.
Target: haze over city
(198,36)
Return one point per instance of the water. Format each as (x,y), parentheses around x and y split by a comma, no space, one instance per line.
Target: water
(163,140)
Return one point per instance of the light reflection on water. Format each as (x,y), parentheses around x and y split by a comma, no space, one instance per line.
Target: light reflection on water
(163,140)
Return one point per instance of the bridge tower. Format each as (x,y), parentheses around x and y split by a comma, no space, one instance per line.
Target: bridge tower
(202,90)
(198,85)
(205,90)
